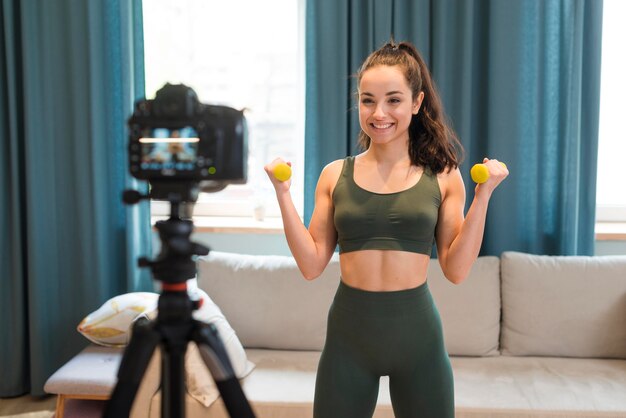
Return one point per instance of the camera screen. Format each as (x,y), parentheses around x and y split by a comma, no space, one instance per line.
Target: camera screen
(169,149)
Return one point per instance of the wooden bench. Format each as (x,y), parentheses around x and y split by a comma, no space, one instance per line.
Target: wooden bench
(90,375)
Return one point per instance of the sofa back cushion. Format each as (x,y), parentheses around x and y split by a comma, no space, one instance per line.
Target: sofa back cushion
(470,311)
(567,306)
(270,305)
(267,301)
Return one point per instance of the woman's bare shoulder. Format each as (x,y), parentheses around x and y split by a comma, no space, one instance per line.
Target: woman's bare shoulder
(449,173)
(450,179)
(334,165)
(330,174)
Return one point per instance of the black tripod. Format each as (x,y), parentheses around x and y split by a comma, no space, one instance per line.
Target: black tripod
(173,328)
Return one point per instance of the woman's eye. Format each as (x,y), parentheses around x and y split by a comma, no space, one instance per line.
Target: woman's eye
(367,101)
(394,100)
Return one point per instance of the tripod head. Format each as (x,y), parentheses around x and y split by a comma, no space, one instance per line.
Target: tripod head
(175,263)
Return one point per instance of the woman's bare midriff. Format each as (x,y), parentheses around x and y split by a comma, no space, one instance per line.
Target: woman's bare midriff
(383,270)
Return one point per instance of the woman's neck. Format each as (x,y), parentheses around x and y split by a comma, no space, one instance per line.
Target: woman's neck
(388,155)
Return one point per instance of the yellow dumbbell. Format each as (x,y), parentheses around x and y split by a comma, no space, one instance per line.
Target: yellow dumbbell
(480,172)
(282,172)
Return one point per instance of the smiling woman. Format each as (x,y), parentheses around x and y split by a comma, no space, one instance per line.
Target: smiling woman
(385,208)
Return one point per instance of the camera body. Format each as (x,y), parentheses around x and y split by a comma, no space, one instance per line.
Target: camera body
(180,145)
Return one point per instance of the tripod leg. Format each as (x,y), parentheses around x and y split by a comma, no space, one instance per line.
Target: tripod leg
(173,382)
(134,363)
(216,359)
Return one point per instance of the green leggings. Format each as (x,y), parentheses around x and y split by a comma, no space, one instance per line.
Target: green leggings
(373,334)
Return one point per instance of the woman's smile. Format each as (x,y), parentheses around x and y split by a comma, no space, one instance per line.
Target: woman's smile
(381,126)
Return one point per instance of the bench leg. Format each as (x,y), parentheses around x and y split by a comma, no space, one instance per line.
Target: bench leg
(60,411)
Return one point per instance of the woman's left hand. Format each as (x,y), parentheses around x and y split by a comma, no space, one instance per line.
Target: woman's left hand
(498,171)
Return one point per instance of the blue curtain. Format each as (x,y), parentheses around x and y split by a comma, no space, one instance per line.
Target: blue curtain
(69,74)
(520,81)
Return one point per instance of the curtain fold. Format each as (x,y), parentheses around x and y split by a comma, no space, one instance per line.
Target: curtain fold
(69,76)
(519,82)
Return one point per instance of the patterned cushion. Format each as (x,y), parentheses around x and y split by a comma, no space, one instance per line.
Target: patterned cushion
(109,325)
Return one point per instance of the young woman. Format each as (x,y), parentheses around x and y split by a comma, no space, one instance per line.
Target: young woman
(385,208)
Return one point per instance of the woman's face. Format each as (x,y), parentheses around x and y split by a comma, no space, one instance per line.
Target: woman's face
(386,104)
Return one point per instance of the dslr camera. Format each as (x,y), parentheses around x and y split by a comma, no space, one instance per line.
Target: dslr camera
(181,146)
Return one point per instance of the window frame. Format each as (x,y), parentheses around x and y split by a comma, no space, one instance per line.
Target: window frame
(229,211)
(610,218)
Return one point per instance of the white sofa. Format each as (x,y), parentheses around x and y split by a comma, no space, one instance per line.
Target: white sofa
(528,336)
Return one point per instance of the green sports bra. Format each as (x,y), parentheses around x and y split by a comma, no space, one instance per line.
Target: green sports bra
(403,221)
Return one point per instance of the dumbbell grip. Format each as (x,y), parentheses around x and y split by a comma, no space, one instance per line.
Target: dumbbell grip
(282,172)
(480,173)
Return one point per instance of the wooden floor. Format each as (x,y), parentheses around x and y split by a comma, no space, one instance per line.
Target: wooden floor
(25,406)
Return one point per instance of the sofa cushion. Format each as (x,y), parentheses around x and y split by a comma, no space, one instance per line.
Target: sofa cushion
(284,311)
(267,301)
(470,311)
(569,306)
(283,383)
(110,324)
(281,386)
(539,387)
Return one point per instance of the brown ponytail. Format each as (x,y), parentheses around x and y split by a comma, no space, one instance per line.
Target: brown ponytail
(432,141)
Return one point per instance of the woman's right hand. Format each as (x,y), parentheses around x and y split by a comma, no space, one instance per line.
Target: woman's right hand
(278,185)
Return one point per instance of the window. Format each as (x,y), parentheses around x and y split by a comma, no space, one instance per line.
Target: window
(611,193)
(243,54)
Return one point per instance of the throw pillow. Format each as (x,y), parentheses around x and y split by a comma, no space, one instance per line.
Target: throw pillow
(110,324)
